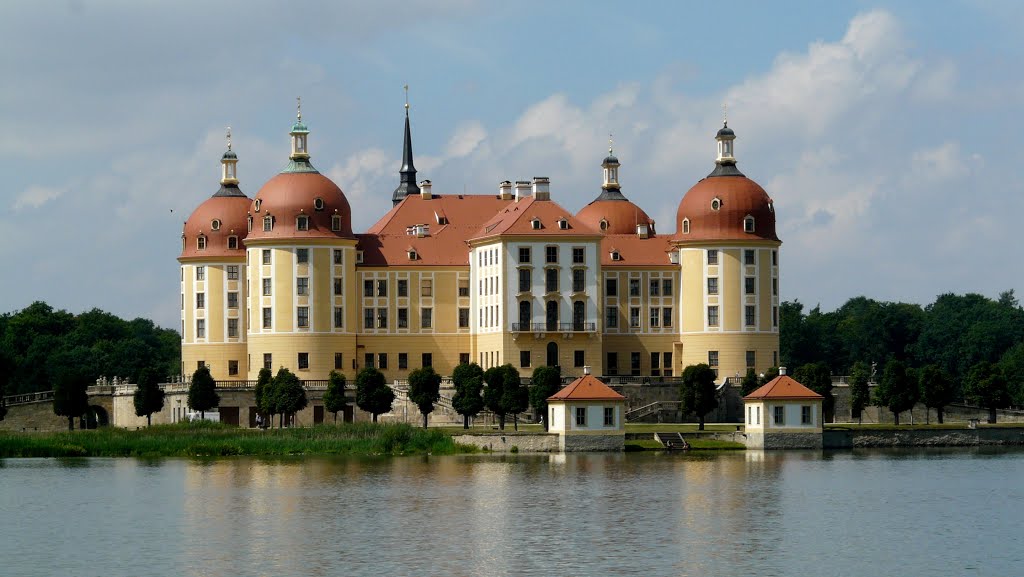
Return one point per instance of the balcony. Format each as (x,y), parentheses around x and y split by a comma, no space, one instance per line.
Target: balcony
(554,327)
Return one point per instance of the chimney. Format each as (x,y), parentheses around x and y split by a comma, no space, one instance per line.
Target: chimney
(425,193)
(505,190)
(522,189)
(541,188)
(782,371)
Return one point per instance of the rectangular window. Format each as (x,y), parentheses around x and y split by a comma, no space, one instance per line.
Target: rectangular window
(201,328)
(609,416)
(655,361)
(200,273)
(577,255)
(655,317)
(335,222)
(339,361)
(525,280)
(382,318)
(403,288)
(751,359)
(748,256)
(426,318)
(713,316)
(634,317)
(634,287)
(382,360)
(232,368)
(337,256)
(666,363)
(578,280)
(267,284)
(634,362)
(551,254)
(551,280)
(666,287)
(713,359)
(338,286)
(775,258)
(200,300)
(463,318)
(303,361)
(655,287)
(232,272)
(302,314)
(427,287)
(775,316)
(268,361)
(268,223)
(302,285)
(712,285)
(612,366)
(779,416)
(666,316)
(750,315)
(428,360)
(611,287)
(232,300)
(382,288)
(266,256)
(524,359)
(302,255)
(712,256)
(368,318)
(267,317)
(369,359)
(581,416)
(749,285)
(339,317)
(302,223)
(232,328)
(367,288)
(403,361)
(524,254)
(463,288)
(805,415)
(611,317)
(775,287)
(403,318)
(579,358)
(463,358)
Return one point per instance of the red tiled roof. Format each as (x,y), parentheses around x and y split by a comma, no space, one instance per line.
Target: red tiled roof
(783,387)
(517,217)
(636,251)
(586,388)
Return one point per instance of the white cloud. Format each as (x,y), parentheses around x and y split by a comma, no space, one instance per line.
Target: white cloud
(36,196)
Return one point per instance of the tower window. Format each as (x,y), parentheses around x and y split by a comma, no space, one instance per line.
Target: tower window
(268,223)
(336,223)
(215,225)
(748,224)
(604,224)
(318,203)
(302,223)
(716,203)
(250,223)
(686,226)
(232,242)
(201,243)
(257,205)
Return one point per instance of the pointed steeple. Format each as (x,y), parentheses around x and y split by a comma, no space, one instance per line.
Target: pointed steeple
(298,160)
(407,180)
(610,187)
(725,163)
(229,172)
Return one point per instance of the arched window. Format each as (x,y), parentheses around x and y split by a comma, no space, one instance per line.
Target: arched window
(552,354)
(215,225)
(748,224)
(686,226)
(318,203)
(604,224)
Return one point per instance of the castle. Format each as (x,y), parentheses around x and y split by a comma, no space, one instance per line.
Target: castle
(282,280)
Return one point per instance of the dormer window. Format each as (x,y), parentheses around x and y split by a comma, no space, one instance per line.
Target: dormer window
(748,224)
(215,225)
(201,242)
(686,226)
(257,205)
(535,224)
(359,257)
(716,203)
(232,242)
(250,223)
(268,223)
(603,224)
(318,203)
(413,254)
(302,222)
(336,222)
(771,207)
(563,224)
(616,255)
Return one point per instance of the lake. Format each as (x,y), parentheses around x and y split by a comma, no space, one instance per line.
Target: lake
(880,512)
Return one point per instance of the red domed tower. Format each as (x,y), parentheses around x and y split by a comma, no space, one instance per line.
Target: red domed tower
(302,257)
(729,255)
(213,291)
(611,212)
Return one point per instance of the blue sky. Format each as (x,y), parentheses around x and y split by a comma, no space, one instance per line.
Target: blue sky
(886,132)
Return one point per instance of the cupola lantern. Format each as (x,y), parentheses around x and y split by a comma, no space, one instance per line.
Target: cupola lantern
(299,133)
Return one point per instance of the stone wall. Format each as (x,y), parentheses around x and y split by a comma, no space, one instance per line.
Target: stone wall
(34,417)
(503,443)
(580,443)
(864,439)
(920,413)
(772,441)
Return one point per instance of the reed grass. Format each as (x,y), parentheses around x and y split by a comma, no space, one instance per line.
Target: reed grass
(204,439)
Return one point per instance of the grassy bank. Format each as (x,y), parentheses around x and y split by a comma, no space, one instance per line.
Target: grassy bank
(213,439)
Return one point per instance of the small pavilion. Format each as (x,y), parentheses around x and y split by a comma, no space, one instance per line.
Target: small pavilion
(588,415)
(783,414)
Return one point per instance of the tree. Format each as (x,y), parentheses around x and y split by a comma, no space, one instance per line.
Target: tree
(424,390)
(516,394)
(70,398)
(202,393)
(936,389)
(897,391)
(6,365)
(768,376)
(264,406)
(500,395)
(334,396)
(1012,364)
(545,382)
(860,394)
(149,397)
(750,383)
(987,387)
(468,380)
(372,394)
(818,378)
(697,391)
(289,394)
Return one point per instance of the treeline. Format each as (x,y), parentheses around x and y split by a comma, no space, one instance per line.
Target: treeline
(39,346)
(956,334)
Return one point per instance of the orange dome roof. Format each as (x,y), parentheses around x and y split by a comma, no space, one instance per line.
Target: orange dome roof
(292,194)
(619,216)
(718,206)
(217,220)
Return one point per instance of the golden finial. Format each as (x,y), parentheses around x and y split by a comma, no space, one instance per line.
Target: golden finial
(406,88)
(298,107)
(229,138)
(725,113)
(609,143)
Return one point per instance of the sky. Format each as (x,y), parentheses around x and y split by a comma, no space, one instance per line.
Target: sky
(885,132)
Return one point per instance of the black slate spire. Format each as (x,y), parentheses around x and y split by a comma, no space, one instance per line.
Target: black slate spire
(407,183)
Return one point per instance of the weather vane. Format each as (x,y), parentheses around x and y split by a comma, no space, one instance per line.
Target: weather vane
(609,143)
(725,113)
(406,88)
(229,138)
(298,107)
